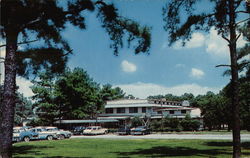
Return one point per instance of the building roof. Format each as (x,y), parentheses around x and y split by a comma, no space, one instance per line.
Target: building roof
(127,101)
(131,105)
(123,103)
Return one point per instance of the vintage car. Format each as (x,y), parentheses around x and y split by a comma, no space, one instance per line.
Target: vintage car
(23,134)
(79,130)
(61,133)
(124,130)
(44,134)
(94,130)
(140,130)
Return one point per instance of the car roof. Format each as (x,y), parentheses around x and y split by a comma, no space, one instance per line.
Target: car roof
(17,127)
(50,127)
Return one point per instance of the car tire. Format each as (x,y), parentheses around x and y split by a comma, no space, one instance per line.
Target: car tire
(61,136)
(49,137)
(26,139)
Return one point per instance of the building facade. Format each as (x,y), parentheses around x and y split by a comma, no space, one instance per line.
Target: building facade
(126,109)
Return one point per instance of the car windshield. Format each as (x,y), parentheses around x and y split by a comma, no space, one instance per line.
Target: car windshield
(89,128)
(141,127)
(52,129)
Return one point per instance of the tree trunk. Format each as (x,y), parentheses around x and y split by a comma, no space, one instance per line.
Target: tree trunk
(7,109)
(235,82)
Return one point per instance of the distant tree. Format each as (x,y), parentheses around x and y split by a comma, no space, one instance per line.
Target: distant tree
(77,95)
(222,17)
(130,96)
(156,97)
(244,95)
(45,106)
(23,109)
(45,20)
(215,110)
(109,93)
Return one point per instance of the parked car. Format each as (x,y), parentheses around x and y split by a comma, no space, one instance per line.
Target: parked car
(140,130)
(94,130)
(44,134)
(79,130)
(125,130)
(23,134)
(62,134)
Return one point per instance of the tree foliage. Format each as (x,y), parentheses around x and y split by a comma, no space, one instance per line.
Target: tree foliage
(223,17)
(44,20)
(78,95)
(109,93)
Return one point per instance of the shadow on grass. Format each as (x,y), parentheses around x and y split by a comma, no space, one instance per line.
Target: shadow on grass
(36,151)
(164,151)
(244,145)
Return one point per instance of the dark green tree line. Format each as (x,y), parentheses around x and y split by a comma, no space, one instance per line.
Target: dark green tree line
(71,95)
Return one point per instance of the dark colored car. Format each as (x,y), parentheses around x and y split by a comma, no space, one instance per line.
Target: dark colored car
(140,130)
(124,130)
(79,130)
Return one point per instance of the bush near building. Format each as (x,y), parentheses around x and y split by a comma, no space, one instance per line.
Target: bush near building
(174,124)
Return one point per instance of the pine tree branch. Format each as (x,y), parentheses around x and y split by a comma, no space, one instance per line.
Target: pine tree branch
(237,37)
(242,21)
(24,42)
(223,65)
(242,11)
(225,38)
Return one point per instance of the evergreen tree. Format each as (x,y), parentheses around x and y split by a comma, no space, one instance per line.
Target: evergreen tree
(223,18)
(44,20)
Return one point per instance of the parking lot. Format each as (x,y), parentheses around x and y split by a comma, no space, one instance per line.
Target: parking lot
(244,137)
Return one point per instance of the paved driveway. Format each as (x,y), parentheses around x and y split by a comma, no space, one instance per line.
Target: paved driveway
(244,137)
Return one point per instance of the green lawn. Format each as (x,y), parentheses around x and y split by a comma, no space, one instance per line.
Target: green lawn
(205,132)
(103,148)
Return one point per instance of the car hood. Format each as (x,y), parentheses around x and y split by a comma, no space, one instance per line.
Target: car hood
(16,134)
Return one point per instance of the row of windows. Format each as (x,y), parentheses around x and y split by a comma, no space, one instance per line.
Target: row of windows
(122,110)
(173,112)
(135,110)
(167,103)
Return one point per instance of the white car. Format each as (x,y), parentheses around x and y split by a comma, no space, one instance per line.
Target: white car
(61,133)
(94,130)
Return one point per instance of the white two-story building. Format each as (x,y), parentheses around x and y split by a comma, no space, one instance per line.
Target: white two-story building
(125,109)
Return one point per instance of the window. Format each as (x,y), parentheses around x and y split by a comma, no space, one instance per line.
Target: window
(159,112)
(120,110)
(171,111)
(143,110)
(183,111)
(109,110)
(133,110)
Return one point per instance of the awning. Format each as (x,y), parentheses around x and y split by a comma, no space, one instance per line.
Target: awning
(85,121)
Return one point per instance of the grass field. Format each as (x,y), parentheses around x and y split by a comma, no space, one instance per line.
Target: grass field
(103,148)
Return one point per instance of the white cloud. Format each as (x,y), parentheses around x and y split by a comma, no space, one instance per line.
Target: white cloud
(143,90)
(197,40)
(196,73)
(213,43)
(24,86)
(128,66)
(216,45)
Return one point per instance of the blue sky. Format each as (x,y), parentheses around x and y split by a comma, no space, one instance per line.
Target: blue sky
(176,69)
